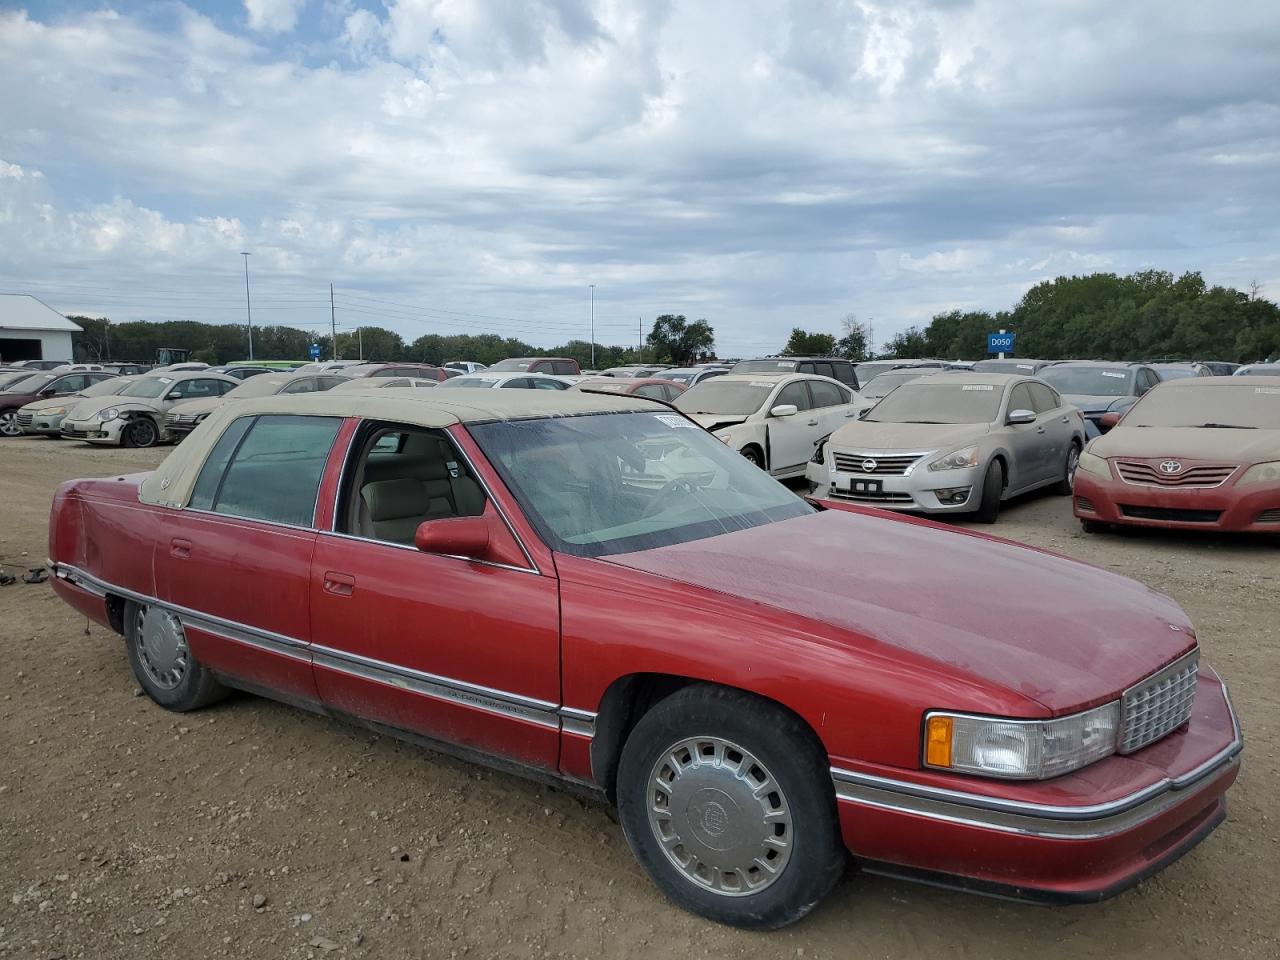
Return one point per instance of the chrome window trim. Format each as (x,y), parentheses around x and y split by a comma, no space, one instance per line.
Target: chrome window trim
(413,549)
(1173,486)
(235,516)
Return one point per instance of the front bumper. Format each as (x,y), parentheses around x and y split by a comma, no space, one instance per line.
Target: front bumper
(919,489)
(43,424)
(94,431)
(1254,508)
(1027,843)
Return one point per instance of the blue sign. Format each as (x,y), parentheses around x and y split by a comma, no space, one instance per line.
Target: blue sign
(999,343)
(315,351)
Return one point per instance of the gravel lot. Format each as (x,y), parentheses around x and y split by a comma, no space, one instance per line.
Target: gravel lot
(252,829)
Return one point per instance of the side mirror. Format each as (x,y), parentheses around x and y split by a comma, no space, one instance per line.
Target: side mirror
(1109,420)
(784,410)
(862,414)
(1018,417)
(48,392)
(456,536)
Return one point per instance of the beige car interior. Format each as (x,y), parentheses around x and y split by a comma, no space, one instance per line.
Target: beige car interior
(408,477)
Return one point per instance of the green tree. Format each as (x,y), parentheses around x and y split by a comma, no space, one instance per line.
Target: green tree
(673,339)
(852,344)
(911,342)
(804,344)
(371,343)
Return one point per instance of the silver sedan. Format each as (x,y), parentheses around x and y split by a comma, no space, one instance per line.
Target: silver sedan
(953,443)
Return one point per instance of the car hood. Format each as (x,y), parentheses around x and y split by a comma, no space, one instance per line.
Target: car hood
(1194,443)
(1058,631)
(868,435)
(1090,404)
(203,405)
(50,403)
(714,421)
(91,405)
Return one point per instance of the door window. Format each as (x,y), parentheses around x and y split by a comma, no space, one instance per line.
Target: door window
(545,383)
(793,393)
(844,373)
(827,394)
(1020,399)
(564,368)
(304,385)
(518,383)
(267,468)
(77,381)
(1045,400)
(823,369)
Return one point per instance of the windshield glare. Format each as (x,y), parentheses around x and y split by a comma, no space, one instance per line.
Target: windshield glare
(1089,381)
(605,484)
(924,402)
(1231,405)
(28,383)
(732,397)
(147,387)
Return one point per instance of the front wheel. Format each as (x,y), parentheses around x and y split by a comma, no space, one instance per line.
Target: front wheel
(9,424)
(162,662)
(726,802)
(1067,484)
(992,491)
(753,456)
(140,432)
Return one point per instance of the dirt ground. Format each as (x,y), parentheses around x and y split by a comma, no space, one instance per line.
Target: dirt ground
(127,831)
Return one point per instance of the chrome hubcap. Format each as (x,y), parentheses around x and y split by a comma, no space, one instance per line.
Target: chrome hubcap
(9,424)
(162,647)
(1073,461)
(720,817)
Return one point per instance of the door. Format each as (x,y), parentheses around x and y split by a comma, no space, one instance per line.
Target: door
(1026,441)
(791,439)
(1058,430)
(833,406)
(236,562)
(456,650)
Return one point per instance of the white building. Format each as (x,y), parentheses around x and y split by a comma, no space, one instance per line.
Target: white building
(32,330)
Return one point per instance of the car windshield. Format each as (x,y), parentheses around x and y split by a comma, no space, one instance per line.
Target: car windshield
(105,388)
(733,397)
(1176,373)
(1089,381)
(512,364)
(469,382)
(606,484)
(1216,404)
(764,366)
(1023,367)
(260,386)
(1269,371)
(928,401)
(606,386)
(677,376)
(881,385)
(27,382)
(147,387)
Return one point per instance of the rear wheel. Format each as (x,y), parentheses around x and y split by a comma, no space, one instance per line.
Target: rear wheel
(753,456)
(9,424)
(726,802)
(156,644)
(1068,481)
(140,432)
(992,491)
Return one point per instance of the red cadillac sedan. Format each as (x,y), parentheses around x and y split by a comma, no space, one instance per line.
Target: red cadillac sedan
(1200,453)
(594,589)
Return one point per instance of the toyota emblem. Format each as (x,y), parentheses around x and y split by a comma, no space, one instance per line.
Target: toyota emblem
(869,465)
(1170,466)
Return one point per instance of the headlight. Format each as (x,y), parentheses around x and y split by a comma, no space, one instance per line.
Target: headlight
(968,457)
(724,437)
(820,453)
(1092,463)
(1262,473)
(54,412)
(1020,749)
(108,414)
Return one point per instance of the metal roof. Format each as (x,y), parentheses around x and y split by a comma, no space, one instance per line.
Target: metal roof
(21,311)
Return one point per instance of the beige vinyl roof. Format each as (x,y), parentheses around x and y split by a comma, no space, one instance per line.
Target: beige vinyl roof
(171,484)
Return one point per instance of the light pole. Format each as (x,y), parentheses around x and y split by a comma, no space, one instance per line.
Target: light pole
(593,326)
(248,310)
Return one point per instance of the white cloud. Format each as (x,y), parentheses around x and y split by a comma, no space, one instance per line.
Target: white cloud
(273,16)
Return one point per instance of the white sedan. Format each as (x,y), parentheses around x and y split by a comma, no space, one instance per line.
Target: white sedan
(776,422)
(508,381)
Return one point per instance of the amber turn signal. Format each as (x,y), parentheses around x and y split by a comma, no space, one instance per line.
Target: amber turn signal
(937,742)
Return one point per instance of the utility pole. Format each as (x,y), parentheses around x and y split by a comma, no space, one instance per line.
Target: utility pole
(333,324)
(640,330)
(360,337)
(248,311)
(593,326)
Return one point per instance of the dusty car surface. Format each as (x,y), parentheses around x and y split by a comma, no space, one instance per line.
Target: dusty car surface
(1097,388)
(775,422)
(135,417)
(1195,454)
(41,386)
(557,366)
(1258,370)
(883,384)
(494,379)
(189,414)
(569,585)
(44,417)
(953,443)
(689,376)
(655,388)
(381,383)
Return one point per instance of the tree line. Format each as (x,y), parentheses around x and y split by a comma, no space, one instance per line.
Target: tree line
(673,339)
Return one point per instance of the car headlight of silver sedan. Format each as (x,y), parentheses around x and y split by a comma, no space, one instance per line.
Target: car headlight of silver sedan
(109,414)
(1020,749)
(957,460)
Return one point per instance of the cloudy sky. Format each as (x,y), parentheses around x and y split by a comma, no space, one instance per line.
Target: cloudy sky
(473,165)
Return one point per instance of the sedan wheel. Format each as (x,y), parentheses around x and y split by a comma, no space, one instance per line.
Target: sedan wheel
(141,432)
(162,661)
(9,424)
(1067,484)
(752,456)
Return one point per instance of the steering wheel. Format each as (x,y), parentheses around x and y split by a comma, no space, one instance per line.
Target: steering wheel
(671,486)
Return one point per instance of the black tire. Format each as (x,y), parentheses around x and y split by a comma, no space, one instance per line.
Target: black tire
(140,432)
(751,453)
(1094,526)
(9,424)
(1067,484)
(992,490)
(770,743)
(197,687)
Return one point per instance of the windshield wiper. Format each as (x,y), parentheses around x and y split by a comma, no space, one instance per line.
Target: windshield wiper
(1223,426)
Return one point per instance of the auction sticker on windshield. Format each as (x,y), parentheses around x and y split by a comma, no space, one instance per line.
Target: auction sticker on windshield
(1272,390)
(1112,374)
(985,387)
(671,421)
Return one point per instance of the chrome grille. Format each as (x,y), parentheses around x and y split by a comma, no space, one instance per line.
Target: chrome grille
(183,419)
(884,496)
(1159,704)
(884,466)
(1197,475)
(26,419)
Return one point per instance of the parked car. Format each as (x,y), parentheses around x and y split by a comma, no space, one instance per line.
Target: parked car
(1021,366)
(883,384)
(1097,388)
(953,443)
(375,383)
(688,376)
(773,421)
(327,366)
(127,369)
(562,366)
(1259,370)
(465,366)
(497,379)
(184,417)
(9,378)
(44,417)
(1194,454)
(34,365)
(423,371)
(1220,368)
(586,587)
(868,369)
(1179,371)
(241,371)
(651,387)
(633,372)
(40,386)
(833,367)
(136,416)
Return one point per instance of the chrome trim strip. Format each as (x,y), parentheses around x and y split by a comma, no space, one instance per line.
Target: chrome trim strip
(581,723)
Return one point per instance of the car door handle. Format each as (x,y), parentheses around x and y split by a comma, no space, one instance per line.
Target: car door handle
(1039,429)
(1066,419)
(180,548)
(339,584)
(813,423)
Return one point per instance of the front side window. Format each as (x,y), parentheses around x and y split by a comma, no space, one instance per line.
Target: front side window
(1043,398)
(304,385)
(1020,399)
(267,468)
(605,484)
(77,381)
(793,393)
(827,394)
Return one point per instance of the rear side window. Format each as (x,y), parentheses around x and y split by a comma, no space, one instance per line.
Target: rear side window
(822,368)
(267,468)
(844,372)
(827,394)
